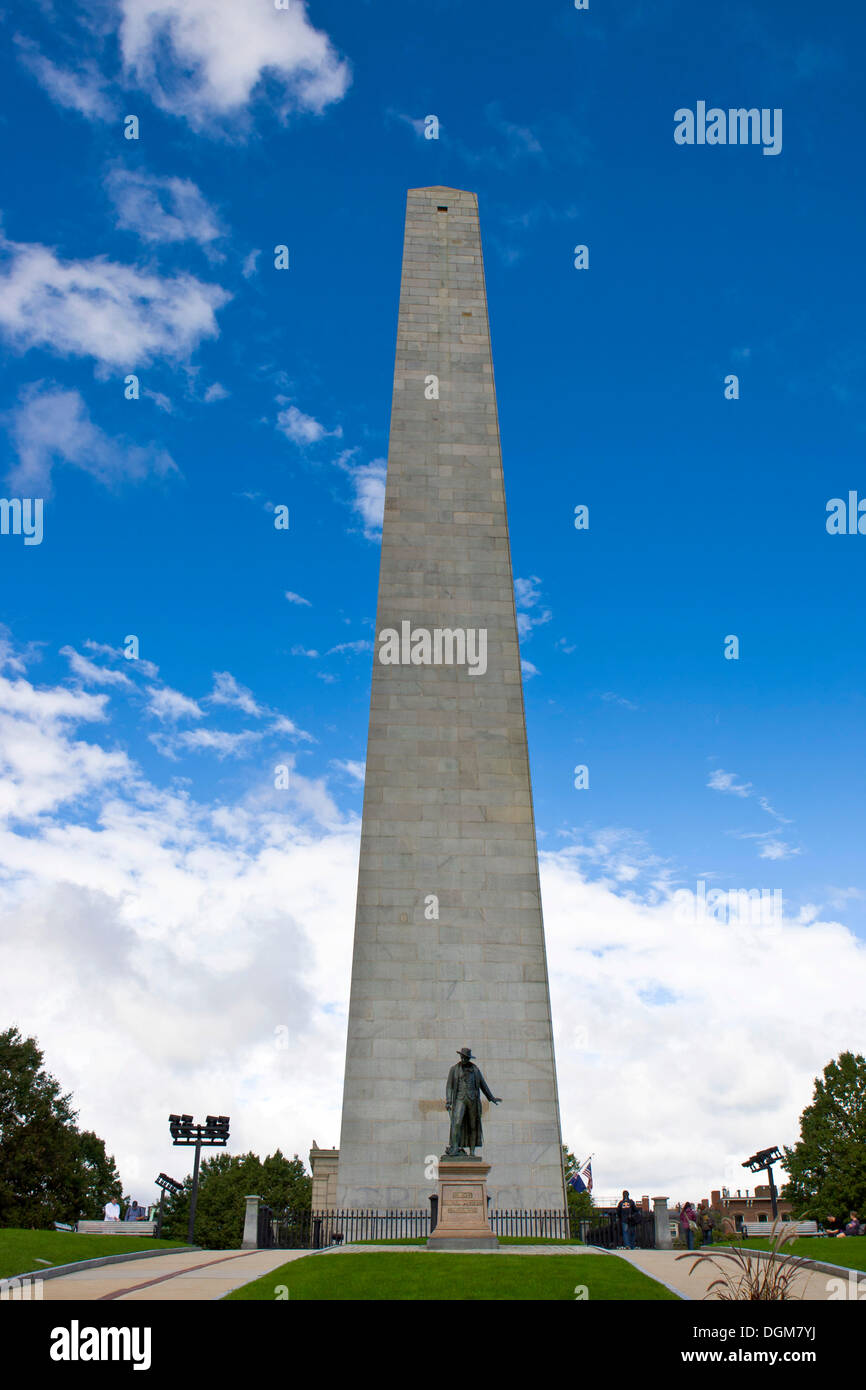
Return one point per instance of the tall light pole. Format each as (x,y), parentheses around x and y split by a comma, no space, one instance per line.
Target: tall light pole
(214,1133)
(765,1158)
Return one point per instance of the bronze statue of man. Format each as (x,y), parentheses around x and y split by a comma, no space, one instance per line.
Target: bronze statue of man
(463,1101)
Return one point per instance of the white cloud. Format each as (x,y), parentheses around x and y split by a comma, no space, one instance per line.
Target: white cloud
(727,782)
(368,485)
(777,849)
(250,264)
(226,691)
(206,60)
(176,954)
(296,598)
(41,766)
(90,673)
(170,705)
(362,644)
(527,592)
(163,210)
(215,392)
(527,595)
(82,90)
(528,669)
(120,316)
(219,741)
(147,668)
(52,426)
(283,725)
(303,429)
(353,769)
(611,698)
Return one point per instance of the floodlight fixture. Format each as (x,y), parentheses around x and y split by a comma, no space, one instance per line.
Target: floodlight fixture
(184,1133)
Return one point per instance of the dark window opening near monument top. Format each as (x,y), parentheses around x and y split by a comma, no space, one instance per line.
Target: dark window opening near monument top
(441,209)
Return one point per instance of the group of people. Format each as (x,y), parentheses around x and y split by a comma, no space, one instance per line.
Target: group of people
(691,1222)
(111,1212)
(852,1227)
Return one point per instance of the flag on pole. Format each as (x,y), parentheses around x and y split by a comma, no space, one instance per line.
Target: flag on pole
(581,1178)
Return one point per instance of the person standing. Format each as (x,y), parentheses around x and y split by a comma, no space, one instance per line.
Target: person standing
(688,1224)
(706,1224)
(627,1213)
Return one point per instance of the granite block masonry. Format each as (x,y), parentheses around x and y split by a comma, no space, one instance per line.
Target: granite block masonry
(449,940)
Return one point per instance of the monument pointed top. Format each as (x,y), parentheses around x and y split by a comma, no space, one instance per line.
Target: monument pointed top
(443,188)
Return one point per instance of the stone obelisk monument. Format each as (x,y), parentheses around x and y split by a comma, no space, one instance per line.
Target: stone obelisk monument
(449,941)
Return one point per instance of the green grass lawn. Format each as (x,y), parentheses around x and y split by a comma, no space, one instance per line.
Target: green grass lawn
(849,1252)
(384,1277)
(22,1251)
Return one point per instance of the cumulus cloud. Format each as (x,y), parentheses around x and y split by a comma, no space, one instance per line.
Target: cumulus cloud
(118,315)
(303,429)
(368,488)
(296,598)
(52,426)
(527,598)
(163,210)
(90,673)
(227,691)
(207,60)
(170,705)
(178,955)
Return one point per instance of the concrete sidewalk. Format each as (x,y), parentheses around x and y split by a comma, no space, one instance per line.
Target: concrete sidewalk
(204,1275)
(664,1265)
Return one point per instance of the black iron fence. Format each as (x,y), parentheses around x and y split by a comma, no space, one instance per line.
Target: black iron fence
(605,1228)
(316,1230)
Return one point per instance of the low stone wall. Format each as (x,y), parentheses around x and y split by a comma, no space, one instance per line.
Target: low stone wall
(116,1228)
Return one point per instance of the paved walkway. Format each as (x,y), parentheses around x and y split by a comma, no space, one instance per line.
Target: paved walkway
(663,1265)
(204,1275)
(209,1274)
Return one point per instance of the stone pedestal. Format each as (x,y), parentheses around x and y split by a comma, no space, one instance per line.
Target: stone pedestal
(251,1223)
(462,1222)
(324,1166)
(662,1224)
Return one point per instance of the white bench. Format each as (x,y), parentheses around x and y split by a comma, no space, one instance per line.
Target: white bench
(116,1228)
(765,1228)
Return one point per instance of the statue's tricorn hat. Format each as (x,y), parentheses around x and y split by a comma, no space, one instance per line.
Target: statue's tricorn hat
(464,1052)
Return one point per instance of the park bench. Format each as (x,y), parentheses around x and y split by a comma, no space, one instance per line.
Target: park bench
(765,1228)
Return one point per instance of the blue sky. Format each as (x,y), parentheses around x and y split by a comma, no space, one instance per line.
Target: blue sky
(262,387)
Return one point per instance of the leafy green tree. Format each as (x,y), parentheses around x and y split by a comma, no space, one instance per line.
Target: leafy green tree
(100,1178)
(224,1183)
(827,1166)
(48,1170)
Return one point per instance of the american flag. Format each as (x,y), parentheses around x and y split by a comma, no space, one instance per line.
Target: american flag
(581,1180)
